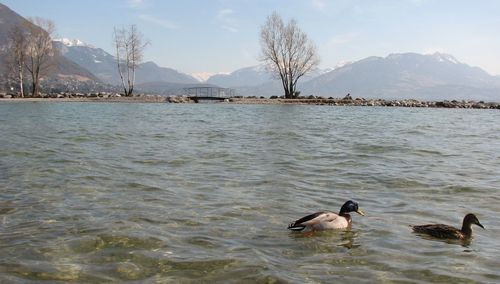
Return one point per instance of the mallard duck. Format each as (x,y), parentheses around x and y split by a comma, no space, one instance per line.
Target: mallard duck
(327,220)
(448,232)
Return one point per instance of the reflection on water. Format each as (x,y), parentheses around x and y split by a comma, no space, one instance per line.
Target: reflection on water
(463,242)
(342,238)
(203,193)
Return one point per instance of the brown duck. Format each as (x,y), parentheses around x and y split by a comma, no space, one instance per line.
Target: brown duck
(443,231)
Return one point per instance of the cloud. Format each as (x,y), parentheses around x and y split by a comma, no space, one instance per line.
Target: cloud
(164,23)
(227,20)
(343,39)
(136,3)
(418,2)
(318,3)
(224,13)
(229,28)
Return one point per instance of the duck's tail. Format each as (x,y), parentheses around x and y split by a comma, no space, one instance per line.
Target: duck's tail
(296,227)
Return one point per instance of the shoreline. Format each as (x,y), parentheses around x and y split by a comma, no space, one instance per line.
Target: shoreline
(410,103)
(347,101)
(137,99)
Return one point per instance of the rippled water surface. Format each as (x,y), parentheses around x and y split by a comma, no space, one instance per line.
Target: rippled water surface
(203,193)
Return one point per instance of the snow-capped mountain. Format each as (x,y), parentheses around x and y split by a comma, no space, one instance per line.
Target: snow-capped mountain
(103,65)
(435,76)
(63,69)
(72,42)
(443,57)
(204,76)
(407,75)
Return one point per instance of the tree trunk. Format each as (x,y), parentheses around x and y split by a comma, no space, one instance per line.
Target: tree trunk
(287,94)
(33,89)
(21,80)
(34,84)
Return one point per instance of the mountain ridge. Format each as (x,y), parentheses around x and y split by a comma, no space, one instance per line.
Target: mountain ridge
(397,75)
(63,69)
(103,65)
(429,76)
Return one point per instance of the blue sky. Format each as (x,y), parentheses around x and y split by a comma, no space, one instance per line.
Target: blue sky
(195,36)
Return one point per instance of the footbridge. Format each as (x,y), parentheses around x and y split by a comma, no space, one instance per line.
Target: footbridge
(198,94)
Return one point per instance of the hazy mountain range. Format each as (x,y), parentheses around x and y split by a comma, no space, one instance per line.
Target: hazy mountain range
(404,75)
(103,65)
(63,68)
(411,75)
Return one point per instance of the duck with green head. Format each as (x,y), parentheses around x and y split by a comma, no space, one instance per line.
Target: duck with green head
(326,220)
(443,231)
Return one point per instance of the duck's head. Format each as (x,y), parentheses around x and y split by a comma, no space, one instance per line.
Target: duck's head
(472,219)
(351,206)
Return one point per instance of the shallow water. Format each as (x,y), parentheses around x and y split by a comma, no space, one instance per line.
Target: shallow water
(203,193)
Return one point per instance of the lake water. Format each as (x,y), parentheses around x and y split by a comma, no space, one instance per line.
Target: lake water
(204,192)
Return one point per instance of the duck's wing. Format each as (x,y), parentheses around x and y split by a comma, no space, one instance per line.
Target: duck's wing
(312,219)
(438,230)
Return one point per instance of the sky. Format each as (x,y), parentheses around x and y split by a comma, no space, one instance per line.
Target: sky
(220,36)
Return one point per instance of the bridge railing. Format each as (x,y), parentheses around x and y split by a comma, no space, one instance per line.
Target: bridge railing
(209,92)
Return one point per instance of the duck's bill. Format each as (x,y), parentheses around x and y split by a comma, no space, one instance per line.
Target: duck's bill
(480,225)
(363,214)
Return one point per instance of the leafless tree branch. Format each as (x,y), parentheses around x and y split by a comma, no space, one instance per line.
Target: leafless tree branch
(129,47)
(286,52)
(39,50)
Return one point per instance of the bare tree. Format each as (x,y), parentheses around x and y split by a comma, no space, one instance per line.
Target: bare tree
(39,50)
(129,45)
(16,58)
(286,52)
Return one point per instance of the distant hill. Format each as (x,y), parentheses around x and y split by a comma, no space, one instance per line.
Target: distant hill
(64,69)
(8,20)
(248,76)
(253,76)
(103,65)
(407,75)
(256,81)
(151,72)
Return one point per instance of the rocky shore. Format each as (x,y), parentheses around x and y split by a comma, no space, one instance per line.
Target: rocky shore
(370,102)
(349,101)
(346,101)
(86,97)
